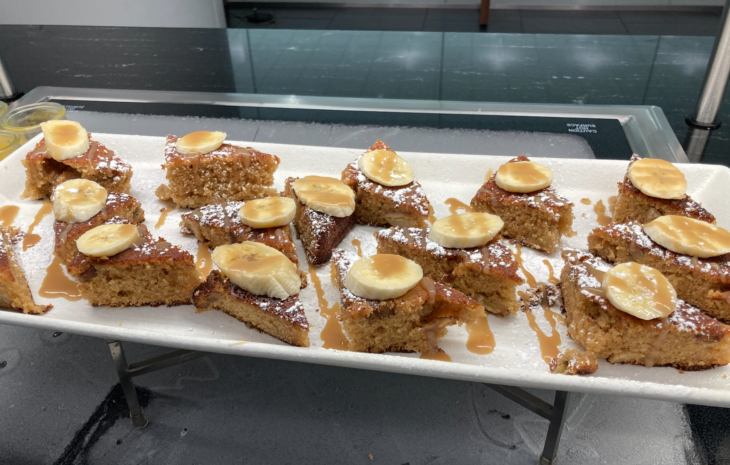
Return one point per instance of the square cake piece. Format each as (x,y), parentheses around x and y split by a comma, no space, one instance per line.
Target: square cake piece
(702,282)
(228,173)
(117,205)
(283,319)
(634,205)
(692,341)
(220,224)
(487,274)
(410,323)
(14,291)
(319,232)
(98,164)
(536,219)
(380,205)
(151,272)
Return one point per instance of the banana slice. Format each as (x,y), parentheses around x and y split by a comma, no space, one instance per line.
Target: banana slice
(523,177)
(386,168)
(258,268)
(383,276)
(65,139)
(268,213)
(78,200)
(689,236)
(107,240)
(325,195)
(200,142)
(657,178)
(465,230)
(640,291)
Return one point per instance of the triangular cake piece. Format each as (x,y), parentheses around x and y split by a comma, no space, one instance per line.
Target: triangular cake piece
(151,272)
(537,219)
(692,341)
(319,232)
(14,291)
(283,319)
(228,173)
(380,205)
(634,205)
(99,164)
(117,205)
(487,274)
(220,224)
(703,282)
(411,323)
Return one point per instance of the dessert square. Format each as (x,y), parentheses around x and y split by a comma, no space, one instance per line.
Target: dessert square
(229,173)
(410,323)
(220,224)
(702,282)
(319,232)
(152,272)
(380,205)
(99,164)
(691,341)
(14,291)
(536,219)
(283,319)
(117,205)
(487,274)
(634,205)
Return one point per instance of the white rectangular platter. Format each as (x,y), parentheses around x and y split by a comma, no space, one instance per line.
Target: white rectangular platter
(516,359)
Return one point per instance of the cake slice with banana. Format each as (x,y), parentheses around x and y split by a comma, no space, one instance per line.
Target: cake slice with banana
(67,151)
(522,194)
(262,220)
(631,313)
(464,251)
(325,214)
(80,205)
(259,286)
(201,168)
(386,192)
(15,293)
(693,254)
(652,188)
(389,306)
(120,264)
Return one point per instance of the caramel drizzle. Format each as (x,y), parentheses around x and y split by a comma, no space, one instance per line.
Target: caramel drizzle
(585,201)
(203,260)
(531,281)
(431,217)
(612,203)
(481,339)
(163,216)
(455,205)
(552,279)
(8,214)
(601,216)
(357,244)
(31,239)
(332,335)
(56,284)
(549,345)
(92,152)
(438,354)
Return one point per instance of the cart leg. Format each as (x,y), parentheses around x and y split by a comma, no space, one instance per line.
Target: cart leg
(136,412)
(549,454)
(555,414)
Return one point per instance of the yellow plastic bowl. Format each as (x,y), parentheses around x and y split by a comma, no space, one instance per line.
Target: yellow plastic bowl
(3,108)
(25,121)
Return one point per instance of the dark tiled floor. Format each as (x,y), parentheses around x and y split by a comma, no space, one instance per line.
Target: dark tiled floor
(674,23)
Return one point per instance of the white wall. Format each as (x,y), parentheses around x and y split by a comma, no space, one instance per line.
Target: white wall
(152,13)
